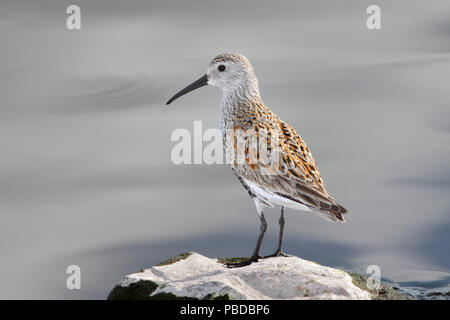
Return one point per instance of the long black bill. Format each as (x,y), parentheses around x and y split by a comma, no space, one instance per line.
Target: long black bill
(203,81)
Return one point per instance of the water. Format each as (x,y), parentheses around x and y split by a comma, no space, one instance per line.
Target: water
(85,170)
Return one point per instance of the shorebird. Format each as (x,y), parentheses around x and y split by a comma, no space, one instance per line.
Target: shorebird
(294,180)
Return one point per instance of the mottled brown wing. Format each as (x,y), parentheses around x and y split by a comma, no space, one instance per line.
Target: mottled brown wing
(303,172)
(295,176)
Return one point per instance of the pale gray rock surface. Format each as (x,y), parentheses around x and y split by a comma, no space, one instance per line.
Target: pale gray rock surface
(273,278)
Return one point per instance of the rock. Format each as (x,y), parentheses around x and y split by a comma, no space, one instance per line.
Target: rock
(193,276)
(385,292)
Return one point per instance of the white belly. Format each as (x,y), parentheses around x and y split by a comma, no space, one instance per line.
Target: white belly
(274,199)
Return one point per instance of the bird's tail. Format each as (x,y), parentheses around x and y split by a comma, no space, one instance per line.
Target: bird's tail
(333,212)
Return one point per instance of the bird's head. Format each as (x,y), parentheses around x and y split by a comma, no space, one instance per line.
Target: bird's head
(228,71)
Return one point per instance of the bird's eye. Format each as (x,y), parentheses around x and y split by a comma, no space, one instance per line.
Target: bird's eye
(221,67)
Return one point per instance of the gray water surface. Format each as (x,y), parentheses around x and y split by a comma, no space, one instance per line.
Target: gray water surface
(86,176)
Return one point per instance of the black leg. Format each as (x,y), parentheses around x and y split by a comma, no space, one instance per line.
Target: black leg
(255,255)
(279,252)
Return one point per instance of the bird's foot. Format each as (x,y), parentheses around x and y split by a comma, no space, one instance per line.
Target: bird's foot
(243,263)
(278,253)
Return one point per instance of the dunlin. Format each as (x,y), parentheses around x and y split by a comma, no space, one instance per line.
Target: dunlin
(294,180)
